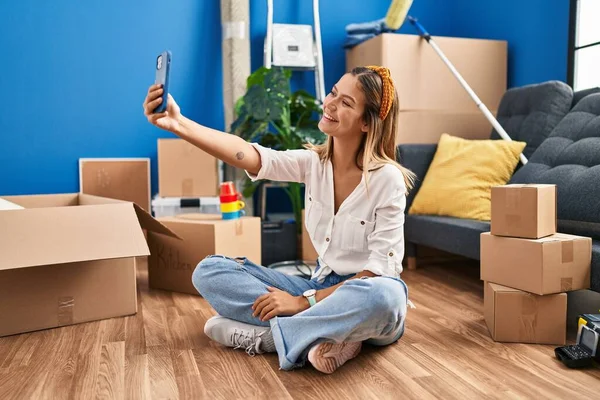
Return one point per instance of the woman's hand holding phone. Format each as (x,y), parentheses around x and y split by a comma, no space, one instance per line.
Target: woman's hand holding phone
(168,120)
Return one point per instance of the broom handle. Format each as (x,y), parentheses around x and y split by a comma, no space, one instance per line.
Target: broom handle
(478,102)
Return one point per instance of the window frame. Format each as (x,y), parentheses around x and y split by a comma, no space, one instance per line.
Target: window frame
(572,48)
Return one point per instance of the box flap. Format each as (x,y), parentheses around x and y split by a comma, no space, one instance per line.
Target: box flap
(527,185)
(44,200)
(146,220)
(499,288)
(43,236)
(561,237)
(90,200)
(200,217)
(149,223)
(489,305)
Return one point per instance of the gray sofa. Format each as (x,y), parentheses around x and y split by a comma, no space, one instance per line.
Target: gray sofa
(562,131)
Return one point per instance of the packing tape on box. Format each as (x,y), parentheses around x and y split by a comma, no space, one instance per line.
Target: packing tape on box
(187,187)
(528,317)
(566,250)
(511,205)
(66,304)
(566,284)
(513,219)
(566,257)
(512,201)
(234,29)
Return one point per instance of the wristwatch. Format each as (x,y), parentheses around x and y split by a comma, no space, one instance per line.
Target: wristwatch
(311,296)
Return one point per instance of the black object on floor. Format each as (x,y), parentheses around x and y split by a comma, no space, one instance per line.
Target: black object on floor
(279,242)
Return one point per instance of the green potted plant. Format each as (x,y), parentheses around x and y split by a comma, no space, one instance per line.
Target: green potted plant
(271,115)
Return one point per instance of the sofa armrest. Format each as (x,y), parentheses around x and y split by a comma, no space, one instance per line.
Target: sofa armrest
(417,158)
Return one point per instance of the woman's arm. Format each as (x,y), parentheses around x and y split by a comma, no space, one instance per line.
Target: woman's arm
(259,162)
(231,149)
(323,293)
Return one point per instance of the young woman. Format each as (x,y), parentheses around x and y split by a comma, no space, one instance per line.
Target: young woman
(355,201)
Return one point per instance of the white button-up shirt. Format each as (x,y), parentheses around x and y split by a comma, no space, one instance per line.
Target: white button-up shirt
(367,232)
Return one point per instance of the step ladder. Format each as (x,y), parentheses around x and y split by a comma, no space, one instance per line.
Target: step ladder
(296,47)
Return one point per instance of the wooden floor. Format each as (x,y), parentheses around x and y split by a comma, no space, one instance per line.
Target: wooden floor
(162,353)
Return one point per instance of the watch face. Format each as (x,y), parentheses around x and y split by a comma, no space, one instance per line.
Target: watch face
(310,292)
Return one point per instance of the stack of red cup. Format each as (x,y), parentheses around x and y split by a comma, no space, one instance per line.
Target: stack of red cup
(231,205)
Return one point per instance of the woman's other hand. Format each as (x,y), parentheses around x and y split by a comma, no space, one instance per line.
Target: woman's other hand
(277,302)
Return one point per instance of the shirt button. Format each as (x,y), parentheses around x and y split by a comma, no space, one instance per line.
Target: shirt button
(327,239)
(310,199)
(391,254)
(362,222)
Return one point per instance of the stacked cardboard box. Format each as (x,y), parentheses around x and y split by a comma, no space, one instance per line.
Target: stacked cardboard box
(172,261)
(527,267)
(432,101)
(186,171)
(188,174)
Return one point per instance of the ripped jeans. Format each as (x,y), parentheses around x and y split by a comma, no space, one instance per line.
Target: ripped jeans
(371,310)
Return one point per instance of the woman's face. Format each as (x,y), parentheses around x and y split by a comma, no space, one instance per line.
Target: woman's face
(343,109)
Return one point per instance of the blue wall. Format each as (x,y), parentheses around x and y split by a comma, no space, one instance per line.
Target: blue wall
(74,75)
(537,32)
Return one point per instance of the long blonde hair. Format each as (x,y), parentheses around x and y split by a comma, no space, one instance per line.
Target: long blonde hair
(378,146)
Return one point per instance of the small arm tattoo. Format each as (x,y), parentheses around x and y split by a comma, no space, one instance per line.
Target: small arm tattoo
(240,155)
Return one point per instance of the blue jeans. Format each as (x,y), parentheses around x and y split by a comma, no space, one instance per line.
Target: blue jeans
(371,310)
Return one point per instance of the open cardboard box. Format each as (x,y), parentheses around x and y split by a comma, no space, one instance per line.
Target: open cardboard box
(69,258)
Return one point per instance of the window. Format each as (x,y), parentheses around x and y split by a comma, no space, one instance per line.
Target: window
(584,44)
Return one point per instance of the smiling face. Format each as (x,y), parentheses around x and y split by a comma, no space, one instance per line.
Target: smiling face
(343,109)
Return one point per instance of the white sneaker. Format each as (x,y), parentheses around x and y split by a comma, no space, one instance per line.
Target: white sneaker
(237,334)
(327,356)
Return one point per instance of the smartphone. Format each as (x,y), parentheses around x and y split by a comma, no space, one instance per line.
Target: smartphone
(163,68)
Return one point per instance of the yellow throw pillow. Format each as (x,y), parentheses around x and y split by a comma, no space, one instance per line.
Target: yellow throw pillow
(461,175)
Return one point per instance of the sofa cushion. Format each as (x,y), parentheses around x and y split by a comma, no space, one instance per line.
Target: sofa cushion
(529,113)
(459,180)
(580,94)
(570,158)
(417,158)
(454,235)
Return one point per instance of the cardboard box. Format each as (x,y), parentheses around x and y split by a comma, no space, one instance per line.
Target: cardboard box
(172,261)
(515,316)
(553,264)
(69,258)
(186,171)
(309,254)
(527,211)
(126,179)
(427,126)
(423,80)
